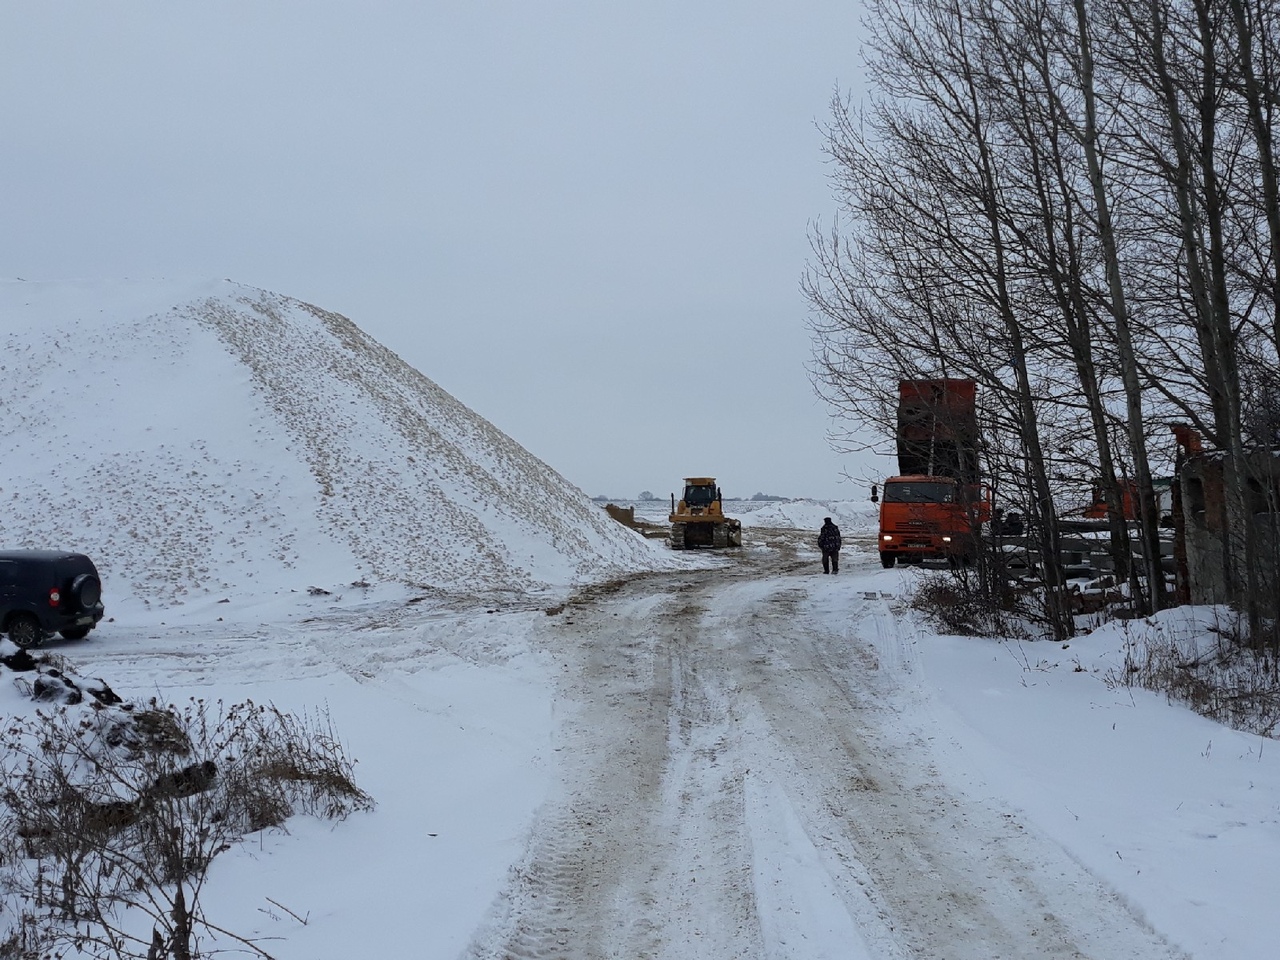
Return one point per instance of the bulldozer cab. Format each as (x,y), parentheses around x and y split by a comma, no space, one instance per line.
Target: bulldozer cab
(700,494)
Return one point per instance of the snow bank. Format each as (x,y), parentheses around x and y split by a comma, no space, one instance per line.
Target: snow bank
(1175,812)
(854,517)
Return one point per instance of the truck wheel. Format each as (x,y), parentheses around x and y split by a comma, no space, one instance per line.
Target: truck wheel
(24,630)
(887,560)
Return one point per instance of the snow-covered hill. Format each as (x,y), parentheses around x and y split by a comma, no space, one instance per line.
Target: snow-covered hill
(214,440)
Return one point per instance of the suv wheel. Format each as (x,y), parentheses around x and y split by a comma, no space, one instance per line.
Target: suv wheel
(24,630)
(86,590)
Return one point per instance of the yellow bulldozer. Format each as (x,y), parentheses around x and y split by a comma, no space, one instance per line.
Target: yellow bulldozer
(698,519)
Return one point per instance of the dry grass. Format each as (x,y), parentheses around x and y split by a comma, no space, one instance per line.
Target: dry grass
(1213,672)
(959,602)
(108,812)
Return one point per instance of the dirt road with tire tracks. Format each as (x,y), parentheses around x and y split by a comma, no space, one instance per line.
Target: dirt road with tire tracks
(746,774)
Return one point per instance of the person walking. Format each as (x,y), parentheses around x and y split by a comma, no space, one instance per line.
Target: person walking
(829,544)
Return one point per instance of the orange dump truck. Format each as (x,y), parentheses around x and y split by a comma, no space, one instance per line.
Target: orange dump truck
(934,509)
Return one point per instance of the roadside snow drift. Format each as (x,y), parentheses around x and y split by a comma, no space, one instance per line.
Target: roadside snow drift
(207,439)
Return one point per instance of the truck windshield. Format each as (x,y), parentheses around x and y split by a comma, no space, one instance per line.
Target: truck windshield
(699,496)
(919,493)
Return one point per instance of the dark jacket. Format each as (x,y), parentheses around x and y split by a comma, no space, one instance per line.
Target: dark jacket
(829,538)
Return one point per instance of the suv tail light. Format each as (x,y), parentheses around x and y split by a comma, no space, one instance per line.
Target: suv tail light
(54,597)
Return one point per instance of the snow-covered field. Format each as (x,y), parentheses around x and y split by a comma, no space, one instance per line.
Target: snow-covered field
(855,518)
(696,756)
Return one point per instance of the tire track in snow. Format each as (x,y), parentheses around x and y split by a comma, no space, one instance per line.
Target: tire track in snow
(950,877)
(645,853)
(746,774)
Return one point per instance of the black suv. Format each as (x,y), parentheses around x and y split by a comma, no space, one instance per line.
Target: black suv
(43,592)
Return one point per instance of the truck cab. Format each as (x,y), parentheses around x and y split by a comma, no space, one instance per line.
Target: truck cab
(931,518)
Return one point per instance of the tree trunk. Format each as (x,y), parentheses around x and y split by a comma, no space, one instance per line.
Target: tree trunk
(1260,128)
(1056,609)
(1116,302)
(1210,297)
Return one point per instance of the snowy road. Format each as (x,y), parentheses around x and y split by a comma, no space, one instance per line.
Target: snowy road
(745,775)
(749,761)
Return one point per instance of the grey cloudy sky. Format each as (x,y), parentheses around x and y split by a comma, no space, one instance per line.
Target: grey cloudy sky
(586,220)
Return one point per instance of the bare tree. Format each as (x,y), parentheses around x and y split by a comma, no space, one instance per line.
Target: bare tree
(932,281)
(1183,136)
(1043,186)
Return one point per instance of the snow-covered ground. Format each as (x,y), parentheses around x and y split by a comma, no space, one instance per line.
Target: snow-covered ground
(696,756)
(855,518)
(1177,814)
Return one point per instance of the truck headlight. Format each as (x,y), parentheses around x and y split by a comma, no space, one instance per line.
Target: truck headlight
(886,537)
(946,539)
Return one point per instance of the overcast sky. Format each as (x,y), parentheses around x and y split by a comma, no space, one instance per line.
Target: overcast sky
(586,220)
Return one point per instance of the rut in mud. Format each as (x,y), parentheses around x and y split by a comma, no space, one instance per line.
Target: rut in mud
(744,777)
